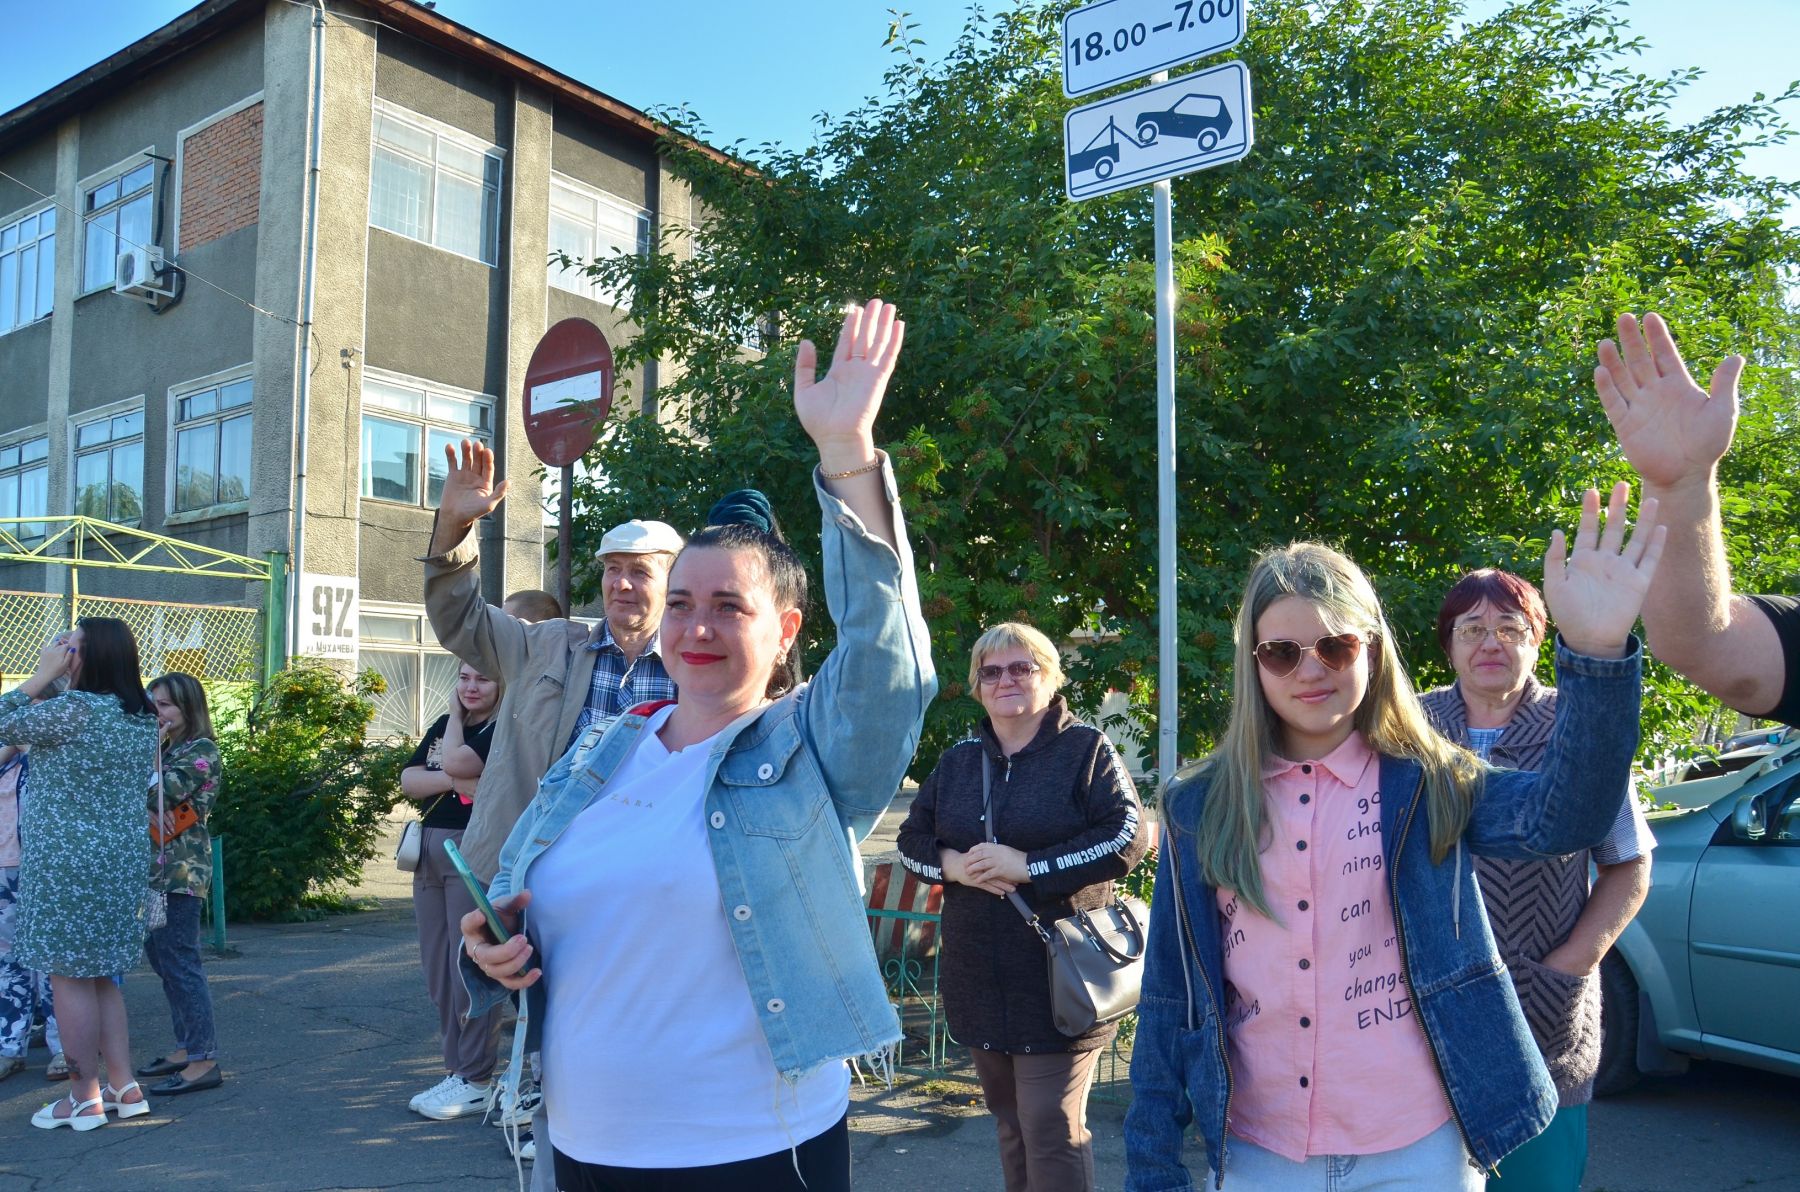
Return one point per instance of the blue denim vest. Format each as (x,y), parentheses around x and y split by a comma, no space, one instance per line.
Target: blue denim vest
(791,789)
(1499,1093)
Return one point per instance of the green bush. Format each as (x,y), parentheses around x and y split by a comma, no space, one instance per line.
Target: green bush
(305,793)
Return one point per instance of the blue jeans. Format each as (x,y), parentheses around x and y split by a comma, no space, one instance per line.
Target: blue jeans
(174,954)
(24,993)
(1436,1163)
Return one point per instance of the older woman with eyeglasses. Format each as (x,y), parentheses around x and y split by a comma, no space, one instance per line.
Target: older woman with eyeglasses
(1038,802)
(1550,928)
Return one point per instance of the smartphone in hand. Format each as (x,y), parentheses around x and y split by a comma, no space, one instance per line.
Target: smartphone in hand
(495,926)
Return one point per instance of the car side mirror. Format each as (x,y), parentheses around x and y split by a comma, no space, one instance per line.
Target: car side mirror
(1748,820)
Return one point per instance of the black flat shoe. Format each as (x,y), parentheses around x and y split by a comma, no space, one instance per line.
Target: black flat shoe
(175,1085)
(162,1067)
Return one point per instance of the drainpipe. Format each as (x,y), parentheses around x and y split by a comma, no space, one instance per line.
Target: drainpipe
(303,391)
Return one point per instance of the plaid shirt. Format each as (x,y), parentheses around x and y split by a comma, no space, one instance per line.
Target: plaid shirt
(618,685)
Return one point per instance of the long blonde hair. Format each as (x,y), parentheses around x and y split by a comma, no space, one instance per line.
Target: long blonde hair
(1234,825)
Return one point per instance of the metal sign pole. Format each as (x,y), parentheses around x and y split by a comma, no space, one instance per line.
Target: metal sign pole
(1166,670)
(565,536)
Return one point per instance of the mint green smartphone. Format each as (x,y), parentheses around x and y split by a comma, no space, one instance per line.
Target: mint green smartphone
(501,934)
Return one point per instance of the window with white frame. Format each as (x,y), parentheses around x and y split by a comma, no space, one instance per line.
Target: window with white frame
(432,184)
(25,484)
(421,675)
(109,468)
(588,224)
(27,269)
(212,445)
(117,216)
(405,428)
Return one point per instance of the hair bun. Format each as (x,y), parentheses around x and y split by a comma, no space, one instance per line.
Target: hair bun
(745,507)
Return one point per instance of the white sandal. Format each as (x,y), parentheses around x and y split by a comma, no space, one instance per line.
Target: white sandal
(78,1119)
(112,1100)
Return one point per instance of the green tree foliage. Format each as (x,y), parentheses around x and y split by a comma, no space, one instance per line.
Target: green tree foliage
(305,793)
(1385,328)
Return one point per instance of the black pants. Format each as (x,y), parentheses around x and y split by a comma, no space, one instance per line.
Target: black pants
(824,1166)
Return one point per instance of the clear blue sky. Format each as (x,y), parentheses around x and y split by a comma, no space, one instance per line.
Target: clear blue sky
(761,70)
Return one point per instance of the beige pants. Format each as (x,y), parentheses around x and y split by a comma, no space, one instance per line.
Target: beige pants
(1039,1103)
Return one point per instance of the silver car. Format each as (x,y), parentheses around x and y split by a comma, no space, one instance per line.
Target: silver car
(1710,968)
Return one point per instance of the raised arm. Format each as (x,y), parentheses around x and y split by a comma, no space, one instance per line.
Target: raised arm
(1674,433)
(53,722)
(486,638)
(1594,593)
(864,708)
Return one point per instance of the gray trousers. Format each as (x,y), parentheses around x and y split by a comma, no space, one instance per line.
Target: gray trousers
(1039,1103)
(440,900)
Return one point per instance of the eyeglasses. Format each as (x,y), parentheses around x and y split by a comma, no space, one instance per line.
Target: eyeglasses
(1507,633)
(1018,670)
(1282,656)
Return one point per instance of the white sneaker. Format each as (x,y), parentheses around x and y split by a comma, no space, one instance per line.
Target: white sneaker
(455,1098)
(436,1089)
(510,1111)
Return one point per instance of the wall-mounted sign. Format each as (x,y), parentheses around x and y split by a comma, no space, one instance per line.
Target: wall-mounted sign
(328,617)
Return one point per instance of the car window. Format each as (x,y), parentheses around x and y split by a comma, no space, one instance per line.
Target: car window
(1784,816)
(1198,105)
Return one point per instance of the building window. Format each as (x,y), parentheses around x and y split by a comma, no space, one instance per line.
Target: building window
(118,218)
(212,446)
(25,485)
(429,184)
(27,269)
(405,429)
(109,468)
(586,225)
(421,675)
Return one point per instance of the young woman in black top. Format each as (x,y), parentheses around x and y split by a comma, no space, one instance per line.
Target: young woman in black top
(442,776)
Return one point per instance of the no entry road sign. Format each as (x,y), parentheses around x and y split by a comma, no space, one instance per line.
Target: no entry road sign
(1186,124)
(1114,41)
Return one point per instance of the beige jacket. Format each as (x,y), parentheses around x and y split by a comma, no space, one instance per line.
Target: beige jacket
(546,668)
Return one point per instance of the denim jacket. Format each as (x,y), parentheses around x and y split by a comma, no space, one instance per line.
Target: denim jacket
(1499,1093)
(791,788)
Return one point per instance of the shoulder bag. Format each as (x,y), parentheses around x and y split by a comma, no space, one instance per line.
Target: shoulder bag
(1096,957)
(412,840)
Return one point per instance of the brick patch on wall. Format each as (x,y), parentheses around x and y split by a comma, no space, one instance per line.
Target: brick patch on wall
(221,177)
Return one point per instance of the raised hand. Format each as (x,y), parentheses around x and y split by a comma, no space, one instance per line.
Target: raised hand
(1595,593)
(838,411)
(470,493)
(56,658)
(1670,429)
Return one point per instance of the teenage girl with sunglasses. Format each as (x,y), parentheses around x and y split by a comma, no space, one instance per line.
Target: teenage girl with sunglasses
(1322,994)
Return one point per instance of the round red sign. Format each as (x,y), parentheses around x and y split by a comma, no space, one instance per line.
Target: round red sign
(568,391)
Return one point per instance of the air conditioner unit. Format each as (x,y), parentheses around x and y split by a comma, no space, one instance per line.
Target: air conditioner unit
(137,272)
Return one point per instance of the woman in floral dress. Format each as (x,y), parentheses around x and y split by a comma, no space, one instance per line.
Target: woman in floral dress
(85,857)
(181,868)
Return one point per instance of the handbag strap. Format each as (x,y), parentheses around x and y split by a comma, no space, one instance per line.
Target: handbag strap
(162,851)
(987,819)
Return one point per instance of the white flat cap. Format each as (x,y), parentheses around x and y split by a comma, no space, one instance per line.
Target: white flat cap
(637,537)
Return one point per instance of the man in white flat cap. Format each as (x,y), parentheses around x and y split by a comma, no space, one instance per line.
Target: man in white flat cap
(558,675)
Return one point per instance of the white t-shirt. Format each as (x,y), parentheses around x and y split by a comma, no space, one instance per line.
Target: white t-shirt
(653,1056)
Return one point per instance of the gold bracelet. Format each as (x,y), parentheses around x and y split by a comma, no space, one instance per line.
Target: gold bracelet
(880,457)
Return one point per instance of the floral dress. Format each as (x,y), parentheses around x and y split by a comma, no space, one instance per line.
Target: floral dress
(191,772)
(85,840)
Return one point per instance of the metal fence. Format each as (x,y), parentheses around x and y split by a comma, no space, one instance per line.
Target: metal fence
(219,643)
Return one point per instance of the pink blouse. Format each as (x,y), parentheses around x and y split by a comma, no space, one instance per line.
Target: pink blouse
(1327,1054)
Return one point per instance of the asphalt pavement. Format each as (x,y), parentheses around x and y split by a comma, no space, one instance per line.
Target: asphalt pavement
(328,1033)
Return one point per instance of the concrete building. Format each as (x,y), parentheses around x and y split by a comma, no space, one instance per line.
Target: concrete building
(354,204)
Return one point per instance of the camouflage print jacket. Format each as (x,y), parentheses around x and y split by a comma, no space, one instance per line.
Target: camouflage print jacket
(190,771)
